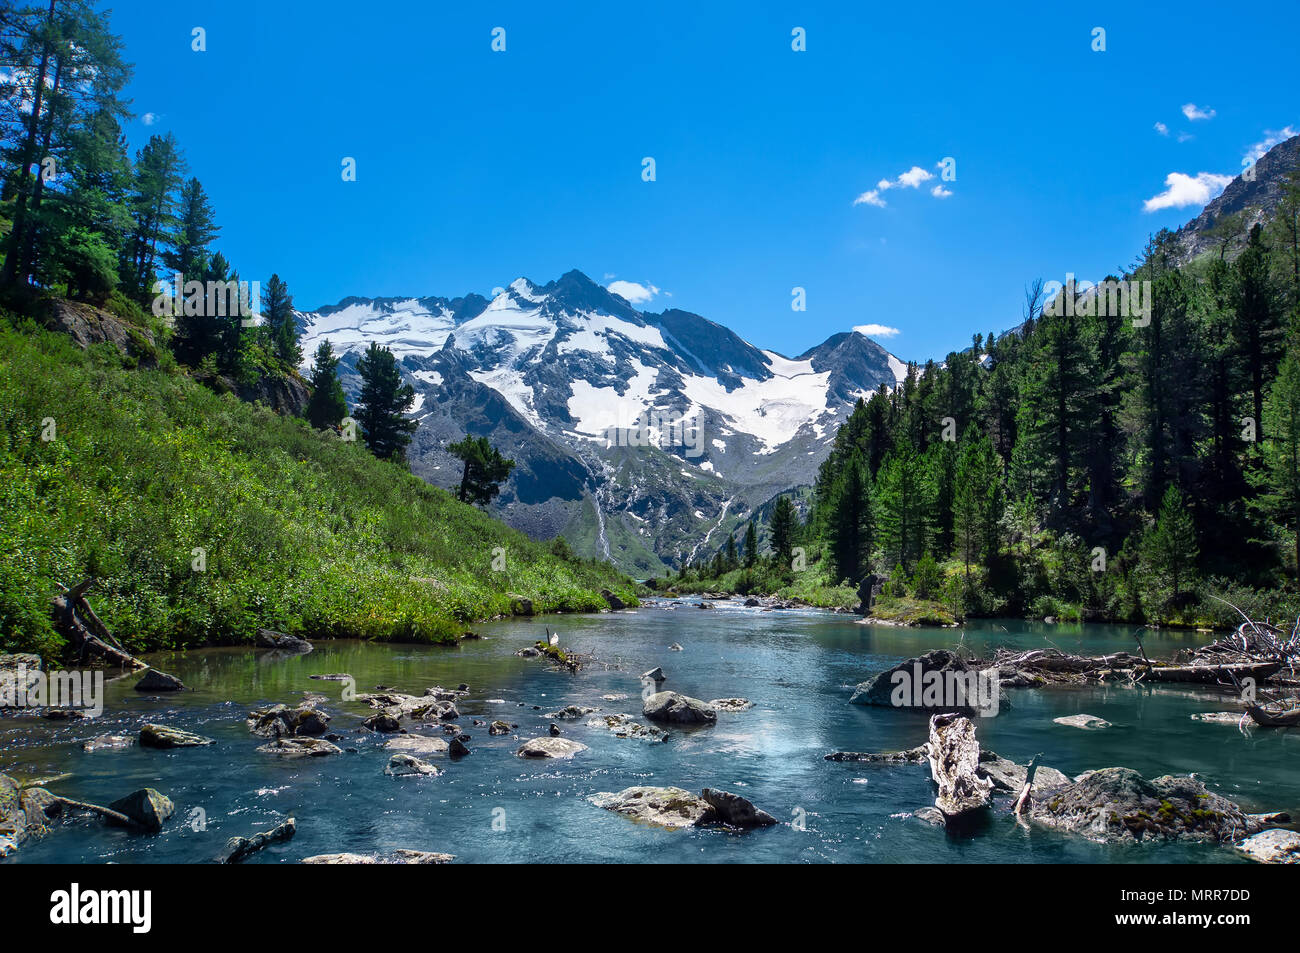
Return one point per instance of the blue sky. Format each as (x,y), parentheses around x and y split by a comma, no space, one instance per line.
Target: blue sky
(475,167)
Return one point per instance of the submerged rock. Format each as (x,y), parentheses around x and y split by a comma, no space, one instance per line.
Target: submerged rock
(624,727)
(735,810)
(163,736)
(300,748)
(678,709)
(238,848)
(107,742)
(1219,717)
(572,711)
(663,806)
(399,856)
(156,681)
(1117,804)
(1275,846)
(550,748)
(730,704)
(1087,722)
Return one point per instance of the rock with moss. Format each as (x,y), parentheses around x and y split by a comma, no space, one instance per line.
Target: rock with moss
(1118,804)
(671,807)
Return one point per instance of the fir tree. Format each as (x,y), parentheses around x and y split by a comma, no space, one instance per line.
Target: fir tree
(384,401)
(327,406)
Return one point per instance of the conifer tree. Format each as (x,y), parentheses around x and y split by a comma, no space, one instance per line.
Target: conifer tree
(384,401)
(328,405)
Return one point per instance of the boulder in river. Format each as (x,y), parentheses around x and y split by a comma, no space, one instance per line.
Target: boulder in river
(408,765)
(1274,846)
(156,681)
(550,748)
(655,675)
(417,744)
(383,722)
(457,748)
(146,807)
(572,711)
(1009,777)
(300,748)
(663,806)
(735,810)
(678,709)
(939,680)
(238,848)
(164,736)
(107,742)
(281,721)
(1118,804)
(499,728)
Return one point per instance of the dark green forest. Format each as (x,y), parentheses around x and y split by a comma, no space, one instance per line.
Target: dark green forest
(1093,463)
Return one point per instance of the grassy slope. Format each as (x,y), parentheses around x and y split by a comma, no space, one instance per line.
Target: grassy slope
(303,533)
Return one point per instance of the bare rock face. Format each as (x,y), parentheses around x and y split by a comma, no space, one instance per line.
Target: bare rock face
(954,766)
(678,709)
(88,325)
(1118,804)
(550,748)
(662,806)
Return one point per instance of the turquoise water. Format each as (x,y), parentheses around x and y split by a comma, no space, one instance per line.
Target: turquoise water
(798,668)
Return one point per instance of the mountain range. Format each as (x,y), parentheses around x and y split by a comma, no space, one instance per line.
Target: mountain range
(638,436)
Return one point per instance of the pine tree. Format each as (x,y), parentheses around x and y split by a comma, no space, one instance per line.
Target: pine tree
(784,526)
(904,500)
(976,500)
(159,173)
(328,405)
(751,546)
(733,558)
(1169,549)
(1282,453)
(1258,328)
(849,523)
(384,401)
(277,309)
(485,469)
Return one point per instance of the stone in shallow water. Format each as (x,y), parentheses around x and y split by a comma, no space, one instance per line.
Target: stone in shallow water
(156,681)
(1087,722)
(147,807)
(107,742)
(735,810)
(678,709)
(624,727)
(571,711)
(1274,846)
(550,748)
(163,736)
(1218,717)
(406,765)
(300,748)
(672,807)
(418,744)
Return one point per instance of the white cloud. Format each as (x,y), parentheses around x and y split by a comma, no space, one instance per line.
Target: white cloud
(150,118)
(911,179)
(634,292)
(1161,128)
(1195,112)
(1185,137)
(876,330)
(1183,190)
(940,192)
(1271,139)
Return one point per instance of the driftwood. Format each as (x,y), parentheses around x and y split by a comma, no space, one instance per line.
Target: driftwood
(77,623)
(954,766)
(107,813)
(1212,674)
(1274,718)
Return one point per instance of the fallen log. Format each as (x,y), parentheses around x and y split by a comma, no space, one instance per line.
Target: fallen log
(1210,674)
(77,622)
(1285,718)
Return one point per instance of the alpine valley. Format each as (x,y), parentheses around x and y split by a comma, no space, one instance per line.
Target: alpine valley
(553,374)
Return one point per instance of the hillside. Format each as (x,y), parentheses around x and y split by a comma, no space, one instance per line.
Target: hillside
(298,531)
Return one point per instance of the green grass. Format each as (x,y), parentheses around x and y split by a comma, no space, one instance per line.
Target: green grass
(908,611)
(303,533)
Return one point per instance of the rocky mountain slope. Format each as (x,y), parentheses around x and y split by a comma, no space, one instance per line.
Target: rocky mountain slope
(637,435)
